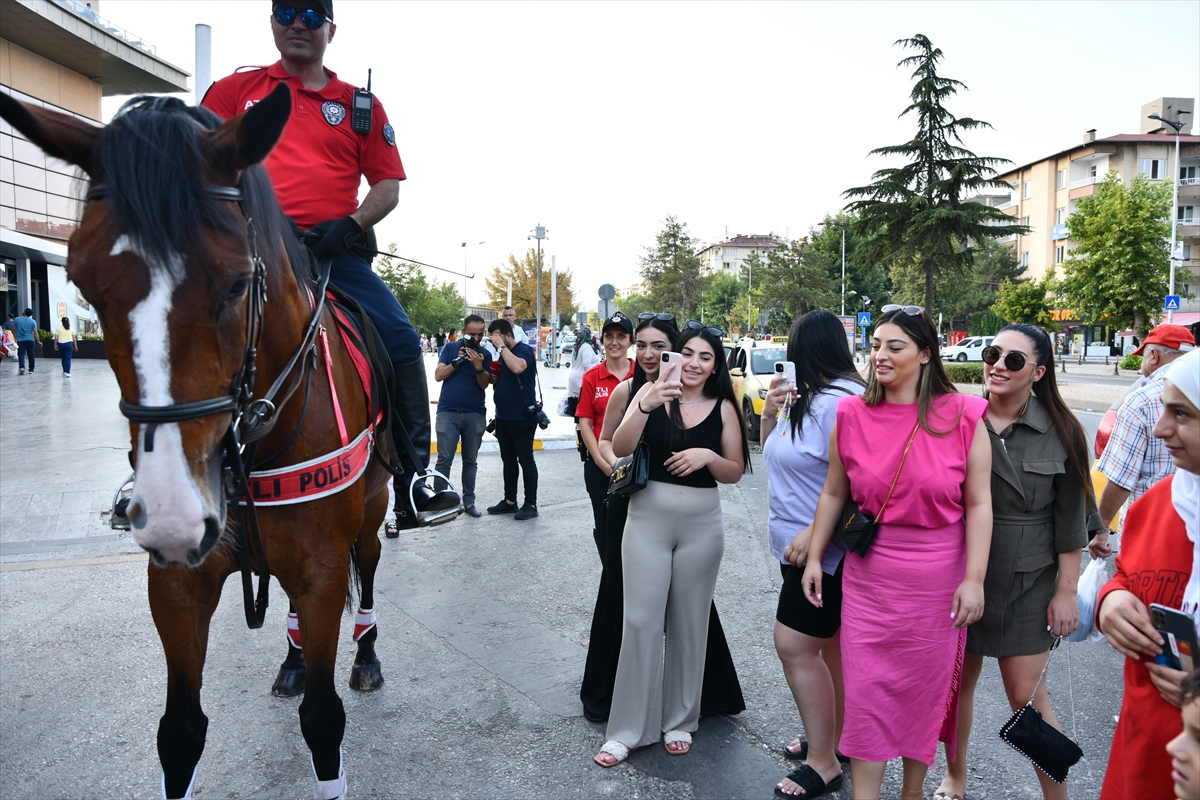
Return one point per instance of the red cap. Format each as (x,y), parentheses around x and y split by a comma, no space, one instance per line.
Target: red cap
(1176,337)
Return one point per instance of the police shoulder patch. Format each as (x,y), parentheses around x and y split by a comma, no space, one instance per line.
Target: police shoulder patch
(389,134)
(334,112)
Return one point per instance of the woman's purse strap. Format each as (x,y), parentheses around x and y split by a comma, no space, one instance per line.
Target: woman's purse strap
(1042,677)
(907,447)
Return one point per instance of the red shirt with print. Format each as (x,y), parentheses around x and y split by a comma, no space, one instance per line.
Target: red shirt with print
(598,384)
(317,165)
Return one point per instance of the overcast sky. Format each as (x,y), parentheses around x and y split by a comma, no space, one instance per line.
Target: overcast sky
(599,120)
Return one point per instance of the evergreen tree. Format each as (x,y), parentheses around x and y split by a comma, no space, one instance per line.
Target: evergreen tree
(1118,270)
(918,213)
(672,272)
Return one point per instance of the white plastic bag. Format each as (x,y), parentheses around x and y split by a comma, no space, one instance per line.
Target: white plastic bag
(1094,576)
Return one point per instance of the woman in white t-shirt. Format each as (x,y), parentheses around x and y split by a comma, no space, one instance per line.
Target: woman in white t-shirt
(795,441)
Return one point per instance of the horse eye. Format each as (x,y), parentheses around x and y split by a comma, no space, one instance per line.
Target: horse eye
(239,288)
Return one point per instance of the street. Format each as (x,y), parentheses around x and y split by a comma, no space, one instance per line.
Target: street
(483,634)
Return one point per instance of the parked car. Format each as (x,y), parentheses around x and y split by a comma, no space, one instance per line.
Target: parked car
(751,366)
(969,349)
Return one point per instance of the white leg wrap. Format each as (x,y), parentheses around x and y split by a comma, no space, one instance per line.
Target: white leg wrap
(293,630)
(328,790)
(363,622)
(191,785)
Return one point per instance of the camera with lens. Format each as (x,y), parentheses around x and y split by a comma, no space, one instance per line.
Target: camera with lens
(536,412)
(469,342)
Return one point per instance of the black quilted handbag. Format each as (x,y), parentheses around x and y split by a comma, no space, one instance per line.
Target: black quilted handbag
(631,473)
(1049,749)
(859,528)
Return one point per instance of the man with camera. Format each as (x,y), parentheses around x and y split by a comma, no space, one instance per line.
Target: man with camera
(518,414)
(464,371)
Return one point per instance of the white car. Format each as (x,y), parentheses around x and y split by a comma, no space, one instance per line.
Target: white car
(969,349)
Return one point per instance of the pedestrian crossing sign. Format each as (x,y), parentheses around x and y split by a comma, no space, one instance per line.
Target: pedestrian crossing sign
(1172,303)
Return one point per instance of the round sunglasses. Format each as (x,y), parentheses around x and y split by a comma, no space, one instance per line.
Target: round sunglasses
(697,325)
(1013,360)
(312,19)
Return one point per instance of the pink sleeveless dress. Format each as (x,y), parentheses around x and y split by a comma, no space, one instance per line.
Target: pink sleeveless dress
(901,657)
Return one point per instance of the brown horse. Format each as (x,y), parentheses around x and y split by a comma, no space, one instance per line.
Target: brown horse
(179,247)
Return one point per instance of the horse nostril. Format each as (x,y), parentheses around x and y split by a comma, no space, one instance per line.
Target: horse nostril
(136,513)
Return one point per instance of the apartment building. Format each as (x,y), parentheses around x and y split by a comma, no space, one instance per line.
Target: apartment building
(728,256)
(65,56)
(1047,191)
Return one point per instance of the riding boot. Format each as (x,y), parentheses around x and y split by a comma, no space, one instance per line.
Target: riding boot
(411,400)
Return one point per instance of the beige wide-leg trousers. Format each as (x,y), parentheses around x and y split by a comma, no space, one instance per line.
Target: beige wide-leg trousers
(670,555)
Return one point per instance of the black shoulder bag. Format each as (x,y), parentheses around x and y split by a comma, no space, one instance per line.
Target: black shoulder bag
(631,473)
(859,528)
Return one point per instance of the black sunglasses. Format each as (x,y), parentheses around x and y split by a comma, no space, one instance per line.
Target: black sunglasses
(697,325)
(312,19)
(1013,360)
(912,311)
(645,315)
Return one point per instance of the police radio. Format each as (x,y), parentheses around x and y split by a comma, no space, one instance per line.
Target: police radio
(360,114)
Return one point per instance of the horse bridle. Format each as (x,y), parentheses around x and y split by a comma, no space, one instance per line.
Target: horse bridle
(252,418)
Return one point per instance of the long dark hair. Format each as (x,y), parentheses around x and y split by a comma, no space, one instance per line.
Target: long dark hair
(817,346)
(717,385)
(1066,425)
(668,327)
(932,382)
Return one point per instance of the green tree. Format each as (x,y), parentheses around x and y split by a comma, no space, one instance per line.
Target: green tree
(429,305)
(864,277)
(1025,301)
(633,304)
(795,280)
(917,213)
(672,272)
(524,287)
(1118,270)
(725,300)
(967,303)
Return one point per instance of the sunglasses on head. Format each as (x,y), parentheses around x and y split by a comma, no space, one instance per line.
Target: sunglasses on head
(697,325)
(645,315)
(1013,360)
(312,19)
(912,311)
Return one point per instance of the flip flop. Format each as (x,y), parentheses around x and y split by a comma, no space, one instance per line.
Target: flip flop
(671,737)
(615,749)
(810,781)
(802,753)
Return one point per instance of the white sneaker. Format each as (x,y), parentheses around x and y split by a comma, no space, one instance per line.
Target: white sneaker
(22,372)
(66,374)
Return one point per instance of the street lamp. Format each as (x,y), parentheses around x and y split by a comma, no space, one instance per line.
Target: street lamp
(841,225)
(1178,126)
(465,245)
(539,233)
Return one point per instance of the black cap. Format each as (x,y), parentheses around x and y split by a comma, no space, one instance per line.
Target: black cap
(620,320)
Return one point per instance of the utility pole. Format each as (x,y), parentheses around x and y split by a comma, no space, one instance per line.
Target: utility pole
(539,233)
(1178,126)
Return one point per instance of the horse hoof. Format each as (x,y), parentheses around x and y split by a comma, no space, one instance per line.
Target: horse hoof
(289,683)
(366,677)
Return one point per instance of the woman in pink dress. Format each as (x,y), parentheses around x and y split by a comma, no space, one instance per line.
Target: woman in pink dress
(907,603)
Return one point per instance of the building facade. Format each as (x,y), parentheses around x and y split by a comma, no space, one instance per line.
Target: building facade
(64,56)
(729,256)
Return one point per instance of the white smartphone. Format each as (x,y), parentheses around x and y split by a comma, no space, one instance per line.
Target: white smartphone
(788,370)
(672,365)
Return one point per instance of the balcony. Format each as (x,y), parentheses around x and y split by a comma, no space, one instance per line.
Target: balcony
(1088,181)
(1189,181)
(85,11)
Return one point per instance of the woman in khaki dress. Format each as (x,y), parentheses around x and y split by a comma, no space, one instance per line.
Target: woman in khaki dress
(1040,501)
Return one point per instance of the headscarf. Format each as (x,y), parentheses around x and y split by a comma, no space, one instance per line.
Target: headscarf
(582,337)
(1184,375)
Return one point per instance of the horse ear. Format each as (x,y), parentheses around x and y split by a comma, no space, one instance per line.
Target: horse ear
(59,135)
(247,138)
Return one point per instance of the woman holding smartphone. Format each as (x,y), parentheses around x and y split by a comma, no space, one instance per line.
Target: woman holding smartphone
(674,539)
(1040,488)
(796,449)
(906,604)
(655,334)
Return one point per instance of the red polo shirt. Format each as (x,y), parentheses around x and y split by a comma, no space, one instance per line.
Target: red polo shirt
(598,384)
(317,165)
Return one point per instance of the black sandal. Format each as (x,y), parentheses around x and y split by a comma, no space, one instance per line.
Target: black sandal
(802,753)
(810,781)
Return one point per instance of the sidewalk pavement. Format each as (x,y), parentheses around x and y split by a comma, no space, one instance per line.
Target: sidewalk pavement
(484,627)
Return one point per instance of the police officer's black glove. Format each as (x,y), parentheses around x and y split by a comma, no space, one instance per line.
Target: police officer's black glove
(331,238)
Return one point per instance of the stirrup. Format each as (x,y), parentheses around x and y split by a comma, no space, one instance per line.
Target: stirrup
(119,519)
(430,518)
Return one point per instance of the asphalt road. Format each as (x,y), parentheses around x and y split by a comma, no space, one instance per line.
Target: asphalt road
(483,633)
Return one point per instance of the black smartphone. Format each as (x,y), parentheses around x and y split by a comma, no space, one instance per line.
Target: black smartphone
(1180,649)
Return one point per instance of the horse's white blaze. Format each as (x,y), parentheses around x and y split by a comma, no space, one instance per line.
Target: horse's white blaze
(164,490)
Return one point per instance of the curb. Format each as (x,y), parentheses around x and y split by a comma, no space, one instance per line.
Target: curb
(538,444)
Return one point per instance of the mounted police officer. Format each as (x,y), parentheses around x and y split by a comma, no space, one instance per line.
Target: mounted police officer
(316,168)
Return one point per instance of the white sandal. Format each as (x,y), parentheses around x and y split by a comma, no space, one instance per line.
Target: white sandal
(615,749)
(671,737)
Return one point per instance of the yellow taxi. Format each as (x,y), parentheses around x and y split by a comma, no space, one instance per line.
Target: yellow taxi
(751,367)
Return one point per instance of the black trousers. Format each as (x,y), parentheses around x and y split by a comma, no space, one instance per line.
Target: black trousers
(516,451)
(597,488)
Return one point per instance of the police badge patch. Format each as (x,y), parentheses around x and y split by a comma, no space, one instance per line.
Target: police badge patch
(389,135)
(334,112)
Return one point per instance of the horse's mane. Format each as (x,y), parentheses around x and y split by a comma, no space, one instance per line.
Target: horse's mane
(150,157)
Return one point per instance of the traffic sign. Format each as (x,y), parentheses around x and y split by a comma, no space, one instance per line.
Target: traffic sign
(607,292)
(606,308)
(1171,303)
(864,319)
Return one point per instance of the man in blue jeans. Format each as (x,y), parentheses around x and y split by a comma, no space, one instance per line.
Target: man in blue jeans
(26,335)
(515,424)
(464,370)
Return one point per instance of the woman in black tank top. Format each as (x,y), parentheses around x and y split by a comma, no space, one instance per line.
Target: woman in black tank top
(673,542)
